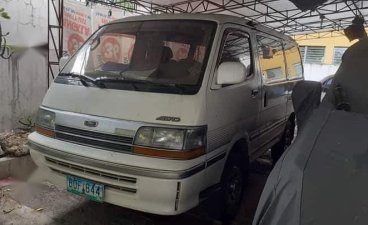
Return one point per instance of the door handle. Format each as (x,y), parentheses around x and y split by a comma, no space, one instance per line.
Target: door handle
(255,92)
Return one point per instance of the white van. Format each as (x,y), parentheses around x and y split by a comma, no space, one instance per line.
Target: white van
(154,113)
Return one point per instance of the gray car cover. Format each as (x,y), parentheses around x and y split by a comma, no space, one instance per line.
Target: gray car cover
(322,178)
(306,98)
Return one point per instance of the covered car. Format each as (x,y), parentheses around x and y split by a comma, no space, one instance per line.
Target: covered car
(322,178)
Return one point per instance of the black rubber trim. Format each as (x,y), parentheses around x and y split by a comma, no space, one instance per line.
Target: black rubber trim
(215,159)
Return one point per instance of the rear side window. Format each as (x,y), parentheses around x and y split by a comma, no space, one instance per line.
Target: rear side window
(271,58)
(293,61)
(236,48)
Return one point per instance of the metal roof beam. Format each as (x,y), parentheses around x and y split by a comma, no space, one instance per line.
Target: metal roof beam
(287,18)
(298,14)
(231,5)
(318,14)
(264,12)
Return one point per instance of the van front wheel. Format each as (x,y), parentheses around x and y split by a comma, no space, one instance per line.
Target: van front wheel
(233,184)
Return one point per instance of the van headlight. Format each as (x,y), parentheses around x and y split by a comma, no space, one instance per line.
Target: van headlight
(45,122)
(170,142)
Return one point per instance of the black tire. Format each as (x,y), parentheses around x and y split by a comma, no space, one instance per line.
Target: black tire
(287,138)
(233,183)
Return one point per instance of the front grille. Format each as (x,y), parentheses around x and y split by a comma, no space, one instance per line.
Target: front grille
(94,139)
(71,169)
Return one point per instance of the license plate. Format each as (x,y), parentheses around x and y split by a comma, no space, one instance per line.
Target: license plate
(92,190)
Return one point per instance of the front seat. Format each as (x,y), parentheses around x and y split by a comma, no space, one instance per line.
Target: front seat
(166,55)
(168,66)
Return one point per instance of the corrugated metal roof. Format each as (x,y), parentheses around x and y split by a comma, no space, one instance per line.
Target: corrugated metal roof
(218,18)
(282,15)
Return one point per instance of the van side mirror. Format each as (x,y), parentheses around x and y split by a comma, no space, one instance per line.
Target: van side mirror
(63,60)
(231,73)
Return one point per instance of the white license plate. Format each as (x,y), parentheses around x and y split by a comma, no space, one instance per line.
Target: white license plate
(92,190)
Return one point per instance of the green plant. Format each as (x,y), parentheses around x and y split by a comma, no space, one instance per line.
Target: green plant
(27,122)
(4,14)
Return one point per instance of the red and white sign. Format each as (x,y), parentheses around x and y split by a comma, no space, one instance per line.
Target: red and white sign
(115,48)
(80,21)
(111,50)
(77,25)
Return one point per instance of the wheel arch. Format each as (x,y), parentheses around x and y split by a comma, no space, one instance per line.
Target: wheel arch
(241,146)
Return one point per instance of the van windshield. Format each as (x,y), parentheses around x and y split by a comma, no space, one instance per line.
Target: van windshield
(166,56)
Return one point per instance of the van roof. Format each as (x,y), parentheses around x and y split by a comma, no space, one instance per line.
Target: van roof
(218,18)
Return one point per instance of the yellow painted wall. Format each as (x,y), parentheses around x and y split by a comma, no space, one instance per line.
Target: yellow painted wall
(329,40)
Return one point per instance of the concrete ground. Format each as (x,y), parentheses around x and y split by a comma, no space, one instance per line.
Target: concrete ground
(24,203)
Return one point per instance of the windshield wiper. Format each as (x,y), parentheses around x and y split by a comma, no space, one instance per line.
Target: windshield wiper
(119,80)
(179,87)
(84,79)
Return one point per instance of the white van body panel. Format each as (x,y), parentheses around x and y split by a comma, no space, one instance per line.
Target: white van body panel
(157,179)
(127,105)
(154,195)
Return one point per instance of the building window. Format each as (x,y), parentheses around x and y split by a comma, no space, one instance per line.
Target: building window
(338,53)
(313,54)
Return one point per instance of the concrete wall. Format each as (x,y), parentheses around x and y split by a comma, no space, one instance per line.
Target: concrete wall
(23,77)
(27,26)
(23,83)
(317,72)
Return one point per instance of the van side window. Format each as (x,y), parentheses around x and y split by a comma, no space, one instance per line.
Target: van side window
(293,60)
(271,58)
(236,48)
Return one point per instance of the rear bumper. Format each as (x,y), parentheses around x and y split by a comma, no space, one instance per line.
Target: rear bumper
(152,191)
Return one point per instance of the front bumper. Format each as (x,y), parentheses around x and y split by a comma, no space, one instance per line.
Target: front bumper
(153,191)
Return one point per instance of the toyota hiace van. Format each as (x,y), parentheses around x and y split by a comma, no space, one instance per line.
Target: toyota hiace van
(155,113)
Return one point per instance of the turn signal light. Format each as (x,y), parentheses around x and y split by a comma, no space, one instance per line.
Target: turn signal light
(161,153)
(45,131)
